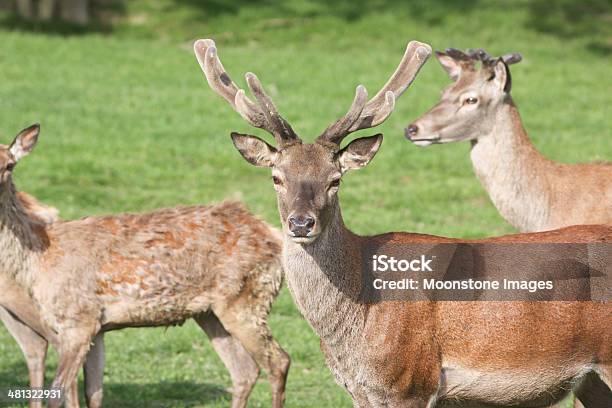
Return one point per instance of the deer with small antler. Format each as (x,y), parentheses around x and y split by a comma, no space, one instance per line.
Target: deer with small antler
(413,354)
(217,264)
(530,191)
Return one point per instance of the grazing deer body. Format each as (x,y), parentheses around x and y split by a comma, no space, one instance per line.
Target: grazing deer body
(217,264)
(417,353)
(530,191)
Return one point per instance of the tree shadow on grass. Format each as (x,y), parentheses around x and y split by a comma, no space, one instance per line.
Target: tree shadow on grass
(130,395)
(432,11)
(13,22)
(163,394)
(591,19)
(588,19)
(102,12)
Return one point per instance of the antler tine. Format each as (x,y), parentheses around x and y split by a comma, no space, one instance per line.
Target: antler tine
(479,54)
(414,57)
(379,108)
(222,84)
(278,126)
(458,54)
(341,127)
(513,58)
(219,81)
(263,116)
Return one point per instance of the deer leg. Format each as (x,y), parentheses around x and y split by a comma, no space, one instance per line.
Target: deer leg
(94,372)
(256,337)
(71,395)
(72,349)
(34,348)
(595,391)
(241,366)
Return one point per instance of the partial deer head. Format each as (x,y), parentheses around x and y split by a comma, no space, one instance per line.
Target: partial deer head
(10,155)
(467,108)
(307,176)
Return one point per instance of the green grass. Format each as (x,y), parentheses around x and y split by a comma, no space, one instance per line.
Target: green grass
(129,124)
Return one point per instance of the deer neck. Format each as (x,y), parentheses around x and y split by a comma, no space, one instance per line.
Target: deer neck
(513,171)
(324,278)
(20,236)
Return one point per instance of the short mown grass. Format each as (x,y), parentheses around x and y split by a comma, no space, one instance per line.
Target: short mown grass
(129,124)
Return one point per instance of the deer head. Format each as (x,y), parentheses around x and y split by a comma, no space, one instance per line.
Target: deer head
(467,108)
(306,176)
(10,155)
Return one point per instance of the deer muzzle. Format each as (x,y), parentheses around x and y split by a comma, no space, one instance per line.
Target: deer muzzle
(301,225)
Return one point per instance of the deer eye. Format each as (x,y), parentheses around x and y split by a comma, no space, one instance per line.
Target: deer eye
(471,100)
(277,181)
(334,183)
(10,166)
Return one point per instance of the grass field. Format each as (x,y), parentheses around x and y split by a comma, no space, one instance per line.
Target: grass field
(129,124)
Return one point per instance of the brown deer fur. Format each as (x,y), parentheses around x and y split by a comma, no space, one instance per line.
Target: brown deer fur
(530,191)
(36,209)
(413,354)
(217,264)
(33,346)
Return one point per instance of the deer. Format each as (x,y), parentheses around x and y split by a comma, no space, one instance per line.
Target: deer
(217,264)
(33,346)
(530,191)
(413,354)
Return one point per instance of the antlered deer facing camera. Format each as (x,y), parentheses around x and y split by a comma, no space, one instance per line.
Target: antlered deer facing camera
(407,354)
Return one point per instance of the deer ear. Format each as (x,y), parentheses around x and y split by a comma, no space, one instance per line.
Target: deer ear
(450,65)
(501,76)
(359,152)
(255,150)
(25,142)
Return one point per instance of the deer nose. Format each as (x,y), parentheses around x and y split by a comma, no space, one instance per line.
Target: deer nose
(301,225)
(411,131)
